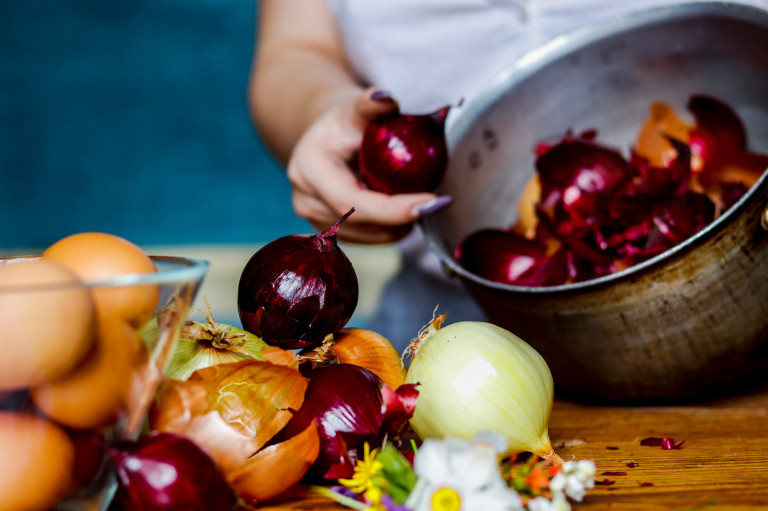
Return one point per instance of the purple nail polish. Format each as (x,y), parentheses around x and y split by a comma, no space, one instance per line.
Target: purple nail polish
(433,206)
(381,95)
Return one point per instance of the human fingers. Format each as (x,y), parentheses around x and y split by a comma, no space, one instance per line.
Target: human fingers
(321,215)
(340,189)
(375,103)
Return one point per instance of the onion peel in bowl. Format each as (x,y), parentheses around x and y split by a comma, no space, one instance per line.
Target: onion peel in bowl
(609,213)
(652,141)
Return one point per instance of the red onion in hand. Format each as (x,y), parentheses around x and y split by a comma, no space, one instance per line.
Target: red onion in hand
(404,153)
(168,472)
(298,289)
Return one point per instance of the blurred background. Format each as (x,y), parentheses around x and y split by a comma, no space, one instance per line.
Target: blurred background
(129,117)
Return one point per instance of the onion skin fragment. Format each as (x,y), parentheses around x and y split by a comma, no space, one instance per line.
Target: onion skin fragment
(231,410)
(276,468)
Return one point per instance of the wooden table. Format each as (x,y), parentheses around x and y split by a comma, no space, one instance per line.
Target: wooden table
(723,463)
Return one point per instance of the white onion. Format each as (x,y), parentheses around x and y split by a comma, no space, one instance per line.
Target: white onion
(476,376)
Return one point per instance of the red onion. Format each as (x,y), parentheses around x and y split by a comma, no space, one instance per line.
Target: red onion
(404,153)
(510,258)
(718,129)
(168,472)
(577,176)
(298,289)
(672,179)
(352,406)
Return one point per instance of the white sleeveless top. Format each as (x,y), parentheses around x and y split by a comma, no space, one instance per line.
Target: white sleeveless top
(428,53)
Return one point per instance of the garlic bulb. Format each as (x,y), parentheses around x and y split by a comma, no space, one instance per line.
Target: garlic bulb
(476,376)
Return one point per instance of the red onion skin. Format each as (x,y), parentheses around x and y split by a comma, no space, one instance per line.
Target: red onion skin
(718,129)
(404,153)
(352,406)
(609,213)
(298,289)
(168,472)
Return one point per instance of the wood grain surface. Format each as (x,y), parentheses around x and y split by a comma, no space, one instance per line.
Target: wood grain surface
(723,463)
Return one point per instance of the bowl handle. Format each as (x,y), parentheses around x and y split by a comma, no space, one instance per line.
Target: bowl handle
(764,219)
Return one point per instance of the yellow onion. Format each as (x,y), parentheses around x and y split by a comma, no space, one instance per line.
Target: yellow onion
(202,345)
(474,377)
(370,350)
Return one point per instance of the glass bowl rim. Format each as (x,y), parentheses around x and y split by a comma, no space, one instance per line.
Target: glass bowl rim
(170,269)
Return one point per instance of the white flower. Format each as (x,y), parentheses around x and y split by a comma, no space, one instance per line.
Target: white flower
(558,503)
(458,475)
(574,479)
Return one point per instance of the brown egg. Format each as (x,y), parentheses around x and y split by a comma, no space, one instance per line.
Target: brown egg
(46,322)
(36,463)
(97,256)
(92,395)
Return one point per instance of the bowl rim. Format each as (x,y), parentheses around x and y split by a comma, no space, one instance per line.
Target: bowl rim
(530,63)
(170,269)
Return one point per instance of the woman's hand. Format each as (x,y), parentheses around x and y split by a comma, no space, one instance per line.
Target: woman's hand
(324,187)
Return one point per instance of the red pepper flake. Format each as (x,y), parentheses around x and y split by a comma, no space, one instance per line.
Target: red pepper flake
(645,484)
(605,482)
(612,448)
(666,443)
(613,473)
(632,464)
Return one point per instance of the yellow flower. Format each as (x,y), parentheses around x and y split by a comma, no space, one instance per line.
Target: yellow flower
(366,470)
(373,496)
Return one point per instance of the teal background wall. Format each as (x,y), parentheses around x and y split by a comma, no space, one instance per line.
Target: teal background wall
(129,117)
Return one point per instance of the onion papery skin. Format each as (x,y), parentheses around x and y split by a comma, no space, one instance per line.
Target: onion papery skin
(476,376)
(351,406)
(298,289)
(276,468)
(230,410)
(404,153)
(204,345)
(167,472)
(371,350)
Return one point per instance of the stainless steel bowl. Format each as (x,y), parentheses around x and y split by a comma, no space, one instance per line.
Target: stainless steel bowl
(682,323)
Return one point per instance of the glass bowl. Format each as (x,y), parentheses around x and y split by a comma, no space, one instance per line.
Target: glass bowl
(61,406)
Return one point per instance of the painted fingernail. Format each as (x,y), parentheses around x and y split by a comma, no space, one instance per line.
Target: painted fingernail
(432,206)
(381,95)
